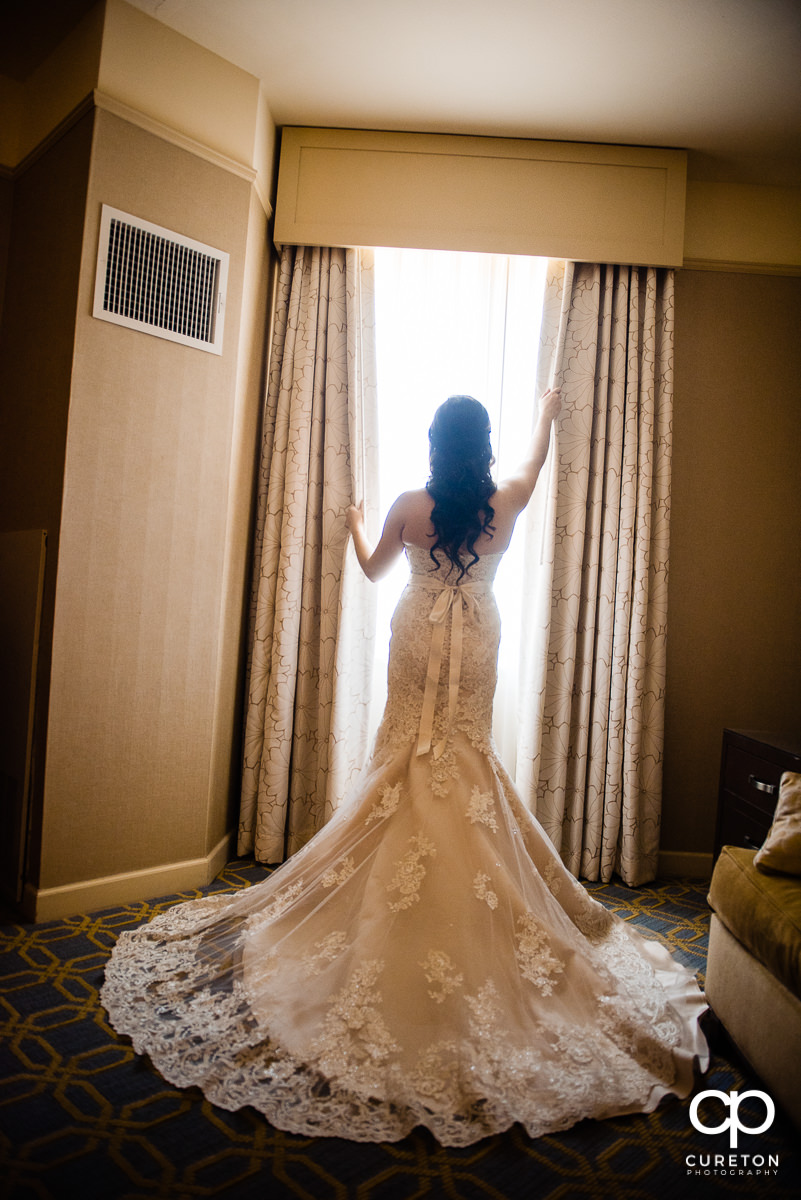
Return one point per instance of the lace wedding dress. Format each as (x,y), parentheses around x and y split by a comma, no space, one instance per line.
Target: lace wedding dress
(426,959)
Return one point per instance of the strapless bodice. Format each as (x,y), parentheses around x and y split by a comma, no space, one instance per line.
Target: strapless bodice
(482,571)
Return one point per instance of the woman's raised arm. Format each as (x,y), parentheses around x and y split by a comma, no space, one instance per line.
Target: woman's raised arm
(516,489)
(376,562)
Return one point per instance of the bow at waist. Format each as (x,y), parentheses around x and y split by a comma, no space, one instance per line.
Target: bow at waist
(453,599)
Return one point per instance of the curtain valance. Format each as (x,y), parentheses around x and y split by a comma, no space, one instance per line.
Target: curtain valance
(578,201)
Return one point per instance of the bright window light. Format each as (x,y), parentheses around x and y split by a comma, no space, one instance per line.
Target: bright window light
(453,324)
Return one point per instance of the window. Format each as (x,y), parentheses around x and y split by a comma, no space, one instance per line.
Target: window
(446,324)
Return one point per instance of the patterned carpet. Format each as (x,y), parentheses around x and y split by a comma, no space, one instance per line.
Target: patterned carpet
(81,1116)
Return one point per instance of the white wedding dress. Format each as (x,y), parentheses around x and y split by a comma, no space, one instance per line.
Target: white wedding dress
(426,959)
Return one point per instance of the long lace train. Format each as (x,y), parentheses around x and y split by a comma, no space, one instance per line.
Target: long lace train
(426,959)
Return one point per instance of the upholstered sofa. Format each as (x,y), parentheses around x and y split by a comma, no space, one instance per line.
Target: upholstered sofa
(753,980)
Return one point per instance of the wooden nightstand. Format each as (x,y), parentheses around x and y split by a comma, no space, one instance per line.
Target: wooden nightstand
(751,767)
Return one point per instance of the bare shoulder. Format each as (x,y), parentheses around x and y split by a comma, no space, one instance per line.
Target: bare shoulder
(411,513)
(416,498)
(503,496)
(510,496)
(413,504)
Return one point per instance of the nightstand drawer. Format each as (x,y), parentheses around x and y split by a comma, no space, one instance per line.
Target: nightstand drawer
(743,825)
(751,768)
(752,778)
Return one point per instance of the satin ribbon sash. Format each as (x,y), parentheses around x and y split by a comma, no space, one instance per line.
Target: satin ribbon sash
(453,600)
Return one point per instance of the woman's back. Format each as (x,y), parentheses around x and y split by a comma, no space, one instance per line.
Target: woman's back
(418,528)
(460,512)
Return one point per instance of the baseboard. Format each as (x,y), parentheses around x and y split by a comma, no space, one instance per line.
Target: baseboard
(50,904)
(673,863)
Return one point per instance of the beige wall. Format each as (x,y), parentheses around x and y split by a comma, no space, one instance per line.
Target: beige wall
(150,592)
(136,454)
(165,76)
(37,105)
(6,200)
(136,61)
(734,643)
(36,351)
(743,227)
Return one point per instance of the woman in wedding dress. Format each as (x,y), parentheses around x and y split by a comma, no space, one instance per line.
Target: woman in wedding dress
(426,959)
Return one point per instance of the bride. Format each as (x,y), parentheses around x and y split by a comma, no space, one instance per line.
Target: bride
(426,959)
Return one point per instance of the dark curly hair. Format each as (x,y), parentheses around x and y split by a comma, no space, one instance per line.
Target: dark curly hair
(460,483)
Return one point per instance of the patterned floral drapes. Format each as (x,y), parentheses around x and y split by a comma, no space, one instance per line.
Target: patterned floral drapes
(590,753)
(307,690)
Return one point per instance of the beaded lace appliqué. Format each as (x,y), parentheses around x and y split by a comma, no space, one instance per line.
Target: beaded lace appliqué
(436,1076)
(283,900)
(483,891)
(340,873)
(324,952)
(593,920)
(354,1036)
(410,873)
(386,806)
(438,969)
(551,877)
(481,809)
(535,958)
(485,1013)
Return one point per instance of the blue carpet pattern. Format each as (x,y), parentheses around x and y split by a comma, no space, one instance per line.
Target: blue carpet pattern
(81,1116)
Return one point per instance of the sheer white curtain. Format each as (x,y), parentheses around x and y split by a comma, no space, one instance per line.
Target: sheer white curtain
(450,323)
(307,708)
(590,755)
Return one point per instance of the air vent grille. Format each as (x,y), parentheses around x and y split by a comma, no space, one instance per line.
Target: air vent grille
(159,282)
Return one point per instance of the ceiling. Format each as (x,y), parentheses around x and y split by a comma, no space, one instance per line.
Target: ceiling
(720,78)
(31,29)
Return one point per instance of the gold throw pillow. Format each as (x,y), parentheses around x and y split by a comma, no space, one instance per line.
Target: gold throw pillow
(781,850)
